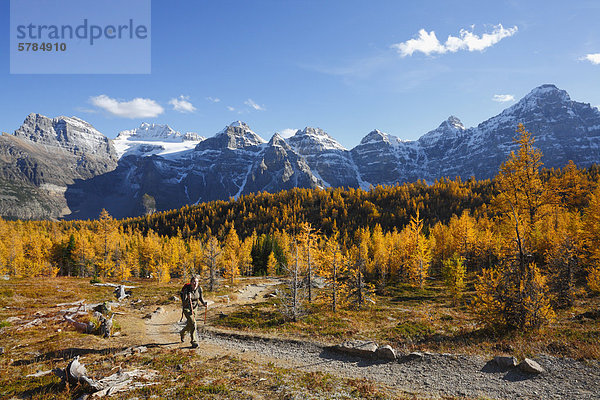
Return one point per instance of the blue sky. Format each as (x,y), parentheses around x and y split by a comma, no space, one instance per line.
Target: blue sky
(345,66)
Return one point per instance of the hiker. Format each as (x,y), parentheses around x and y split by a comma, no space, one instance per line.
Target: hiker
(191,297)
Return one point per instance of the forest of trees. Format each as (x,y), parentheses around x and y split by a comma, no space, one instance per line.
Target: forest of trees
(530,236)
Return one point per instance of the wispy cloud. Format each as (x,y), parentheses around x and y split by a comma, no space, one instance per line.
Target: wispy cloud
(182,104)
(593,58)
(213,99)
(503,98)
(136,108)
(428,43)
(231,108)
(251,103)
(288,132)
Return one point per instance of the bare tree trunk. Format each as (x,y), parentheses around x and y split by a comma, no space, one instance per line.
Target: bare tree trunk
(309,269)
(360,286)
(334,304)
(295,289)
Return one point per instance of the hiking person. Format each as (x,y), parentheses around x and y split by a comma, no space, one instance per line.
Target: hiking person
(191,297)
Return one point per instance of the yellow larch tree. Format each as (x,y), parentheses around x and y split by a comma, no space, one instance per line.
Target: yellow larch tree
(418,252)
(231,249)
(332,267)
(591,238)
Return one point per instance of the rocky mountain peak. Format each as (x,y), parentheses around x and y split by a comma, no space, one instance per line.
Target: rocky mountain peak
(151,132)
(545,98)
(548,91)
(239,124)
(277,140)
(193,137)
(69,133)
(375,136)
(450,128)
(310,140)
(239,135)
(453,123)
(236,135)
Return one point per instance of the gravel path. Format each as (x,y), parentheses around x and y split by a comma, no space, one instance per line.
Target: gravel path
(434,374)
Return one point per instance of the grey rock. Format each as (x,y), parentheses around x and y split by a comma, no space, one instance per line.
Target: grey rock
(360,348)
(415,355)
(505,362)
(386,353)
(530,366)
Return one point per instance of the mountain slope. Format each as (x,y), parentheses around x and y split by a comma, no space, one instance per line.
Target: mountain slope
(64,168)
(43,158)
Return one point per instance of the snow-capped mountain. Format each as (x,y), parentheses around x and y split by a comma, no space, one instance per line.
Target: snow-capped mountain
(63,167)
(328,160)
(69,134)
(154,139)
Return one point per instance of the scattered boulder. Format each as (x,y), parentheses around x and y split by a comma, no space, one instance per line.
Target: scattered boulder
(531,367)
(360,348)
(159,310)
(386,353)
(415,355)
(132,350)
(505,362)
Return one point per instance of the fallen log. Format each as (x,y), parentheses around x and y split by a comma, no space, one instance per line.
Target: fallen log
(76,373)
(114,285)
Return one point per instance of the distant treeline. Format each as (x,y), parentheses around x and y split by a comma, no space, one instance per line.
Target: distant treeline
(346,209)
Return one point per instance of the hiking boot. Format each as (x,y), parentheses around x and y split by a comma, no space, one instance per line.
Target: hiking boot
(194,345)
(182,336)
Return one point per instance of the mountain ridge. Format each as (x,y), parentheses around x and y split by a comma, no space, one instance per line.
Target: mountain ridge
(176,169)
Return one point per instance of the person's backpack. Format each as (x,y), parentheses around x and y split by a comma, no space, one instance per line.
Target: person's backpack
(185,291)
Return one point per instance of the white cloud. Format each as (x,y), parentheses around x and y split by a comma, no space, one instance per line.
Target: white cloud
(231,108)
(251,103)
(502,98)
(593,58)
(182,104)
(428,43)
(136,108)
(288,132)
(213,99)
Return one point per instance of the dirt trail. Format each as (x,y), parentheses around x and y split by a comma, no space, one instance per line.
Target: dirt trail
(434,374)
